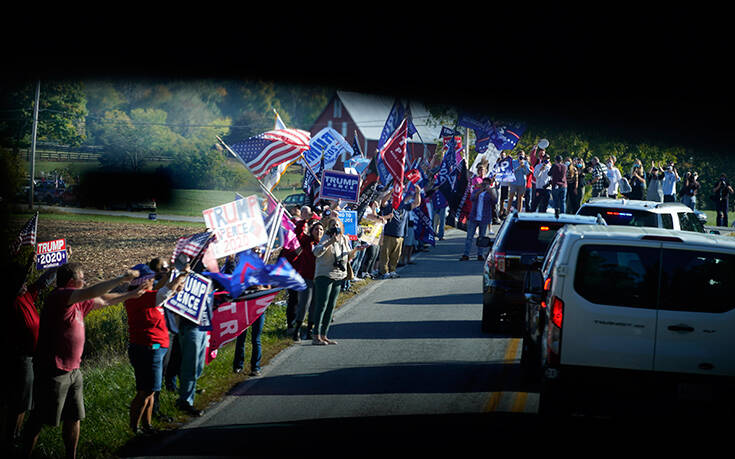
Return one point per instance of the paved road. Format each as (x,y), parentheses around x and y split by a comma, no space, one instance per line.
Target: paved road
(408,347)
(412,372)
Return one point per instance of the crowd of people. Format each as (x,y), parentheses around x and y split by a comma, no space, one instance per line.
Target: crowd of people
(538,182)
(46,384)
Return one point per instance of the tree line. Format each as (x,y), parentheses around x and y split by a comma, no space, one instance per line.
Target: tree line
(134,120)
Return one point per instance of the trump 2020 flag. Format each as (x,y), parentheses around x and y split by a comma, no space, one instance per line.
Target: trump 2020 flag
(243,276)
(282,274)
(506,134)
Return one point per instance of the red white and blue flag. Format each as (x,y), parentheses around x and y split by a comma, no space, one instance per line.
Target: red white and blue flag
(265,151)
(193,245)
(393,155)
(27,235)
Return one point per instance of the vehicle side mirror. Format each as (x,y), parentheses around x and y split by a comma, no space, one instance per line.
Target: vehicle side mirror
(484,241)
(714,232)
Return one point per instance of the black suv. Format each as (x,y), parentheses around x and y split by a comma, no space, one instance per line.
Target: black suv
(521,242)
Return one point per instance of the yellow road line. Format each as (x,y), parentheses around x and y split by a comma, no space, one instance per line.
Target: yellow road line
(510,355)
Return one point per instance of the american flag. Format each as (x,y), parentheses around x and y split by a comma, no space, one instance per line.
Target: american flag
(192,245)
(266,151)
(28,234)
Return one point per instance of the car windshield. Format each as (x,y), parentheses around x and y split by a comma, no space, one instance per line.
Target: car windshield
(531,236)
(622,217)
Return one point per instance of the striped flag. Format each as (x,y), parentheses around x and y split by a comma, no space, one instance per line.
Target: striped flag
(193,245)
(265,151)
(27,235)
(273,177)
(393,155)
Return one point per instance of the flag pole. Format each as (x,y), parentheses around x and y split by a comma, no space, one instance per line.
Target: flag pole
(262,187)
(272,235)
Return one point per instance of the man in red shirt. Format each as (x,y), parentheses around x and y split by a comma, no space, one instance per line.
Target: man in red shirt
(58,382)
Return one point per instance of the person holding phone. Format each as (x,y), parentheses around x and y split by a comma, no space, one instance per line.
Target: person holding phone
(332,255)
(481,216)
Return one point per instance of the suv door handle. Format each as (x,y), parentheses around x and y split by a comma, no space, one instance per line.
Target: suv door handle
(681,328)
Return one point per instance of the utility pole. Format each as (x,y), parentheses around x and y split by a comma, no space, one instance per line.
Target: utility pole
(33,144)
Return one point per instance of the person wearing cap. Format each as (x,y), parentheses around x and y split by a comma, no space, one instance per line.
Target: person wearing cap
(58,385)
(655,191)
(559,184)
(671,178)
(148,342)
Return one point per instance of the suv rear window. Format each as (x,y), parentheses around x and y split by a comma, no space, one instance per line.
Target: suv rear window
(618,276)
(530,236)
(622,217)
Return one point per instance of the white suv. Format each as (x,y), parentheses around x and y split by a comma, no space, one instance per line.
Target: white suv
(635,302)
(668,215)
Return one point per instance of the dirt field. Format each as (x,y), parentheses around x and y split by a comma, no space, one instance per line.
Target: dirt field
(106,249)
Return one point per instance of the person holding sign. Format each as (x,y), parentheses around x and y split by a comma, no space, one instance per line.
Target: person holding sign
(148,343)
(332,255)
(21,341)
(58,386)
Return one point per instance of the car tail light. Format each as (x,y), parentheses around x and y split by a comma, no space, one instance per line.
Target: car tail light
(547,284)
(557,311)
(499,259)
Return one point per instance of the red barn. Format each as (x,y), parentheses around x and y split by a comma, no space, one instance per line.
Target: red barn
(363,115)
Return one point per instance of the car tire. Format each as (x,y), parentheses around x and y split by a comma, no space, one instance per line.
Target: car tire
(530,361)
(553,399)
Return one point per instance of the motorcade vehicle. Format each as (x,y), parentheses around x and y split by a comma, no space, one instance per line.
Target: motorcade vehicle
(669,215)
(297,199)
(521,240)
(616,308)
(133,205)
(48,192)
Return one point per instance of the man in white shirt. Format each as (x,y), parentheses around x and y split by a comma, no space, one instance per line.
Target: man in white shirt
(614,176)
(671,177)
(543,185)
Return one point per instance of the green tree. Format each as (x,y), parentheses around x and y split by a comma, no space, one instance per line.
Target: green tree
(62,110)
(130,140)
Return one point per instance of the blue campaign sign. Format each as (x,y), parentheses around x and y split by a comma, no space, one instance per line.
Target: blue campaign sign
(329,145)
(190,302)
(349,220)
(340,185)
(51,254)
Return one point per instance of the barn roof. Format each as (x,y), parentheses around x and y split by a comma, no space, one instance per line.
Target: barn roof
(369,113)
